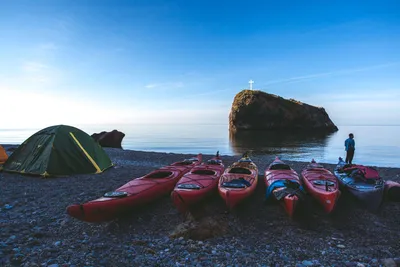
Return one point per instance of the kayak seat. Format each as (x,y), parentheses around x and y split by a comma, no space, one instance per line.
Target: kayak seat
(237,183)
(279,194)
(159,175)
(291,184)
(189,186)
(280,166)
(240,170)
(204,172)
(323,182)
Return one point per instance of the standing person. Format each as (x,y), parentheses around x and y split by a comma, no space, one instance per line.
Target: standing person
(350,146)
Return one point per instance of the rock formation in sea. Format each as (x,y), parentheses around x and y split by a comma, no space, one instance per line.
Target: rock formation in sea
(257,110)
(109,139)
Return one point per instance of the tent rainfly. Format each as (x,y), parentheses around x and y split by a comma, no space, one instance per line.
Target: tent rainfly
(56,151)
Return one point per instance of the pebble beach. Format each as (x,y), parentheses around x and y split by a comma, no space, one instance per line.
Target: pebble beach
(36,231)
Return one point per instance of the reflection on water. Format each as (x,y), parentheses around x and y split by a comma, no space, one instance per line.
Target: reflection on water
(375,145)
(292,145)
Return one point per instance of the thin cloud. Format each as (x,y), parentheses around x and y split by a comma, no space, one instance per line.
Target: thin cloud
(63,27)
(165,85)
(31,66)
(65,23)
(329,74)
(207,93)
(37,72)
(344,26)
(48,46)
(305,78)
(381,95)
(152,85)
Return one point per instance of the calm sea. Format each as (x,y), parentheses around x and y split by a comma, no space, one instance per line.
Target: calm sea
(375,145)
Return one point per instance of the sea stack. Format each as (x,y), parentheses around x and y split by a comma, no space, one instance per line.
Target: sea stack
(109,139)
(257,110)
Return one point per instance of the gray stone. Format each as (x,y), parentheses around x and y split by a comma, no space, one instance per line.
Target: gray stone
(307,263)
(389,262)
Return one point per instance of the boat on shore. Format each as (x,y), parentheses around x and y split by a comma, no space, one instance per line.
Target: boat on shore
(363,182)
(322,185)
(284,185)
(238,181)
(198,184)
(137,192)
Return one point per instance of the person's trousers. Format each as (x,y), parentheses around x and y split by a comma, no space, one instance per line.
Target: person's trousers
(349,156)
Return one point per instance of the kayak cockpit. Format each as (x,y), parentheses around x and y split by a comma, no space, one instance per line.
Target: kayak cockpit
(203,172)
(240,170)
(159,175)
(279,166)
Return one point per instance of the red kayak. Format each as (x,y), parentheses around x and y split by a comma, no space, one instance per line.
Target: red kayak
(283,184)
(321,184)
(238,181)
(197,184)
(135,193)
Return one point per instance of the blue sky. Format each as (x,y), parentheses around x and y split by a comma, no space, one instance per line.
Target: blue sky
(77,62)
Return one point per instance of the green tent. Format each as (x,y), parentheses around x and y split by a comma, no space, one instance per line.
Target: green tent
(58,150)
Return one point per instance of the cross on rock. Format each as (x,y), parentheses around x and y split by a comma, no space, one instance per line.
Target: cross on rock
(251,84)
